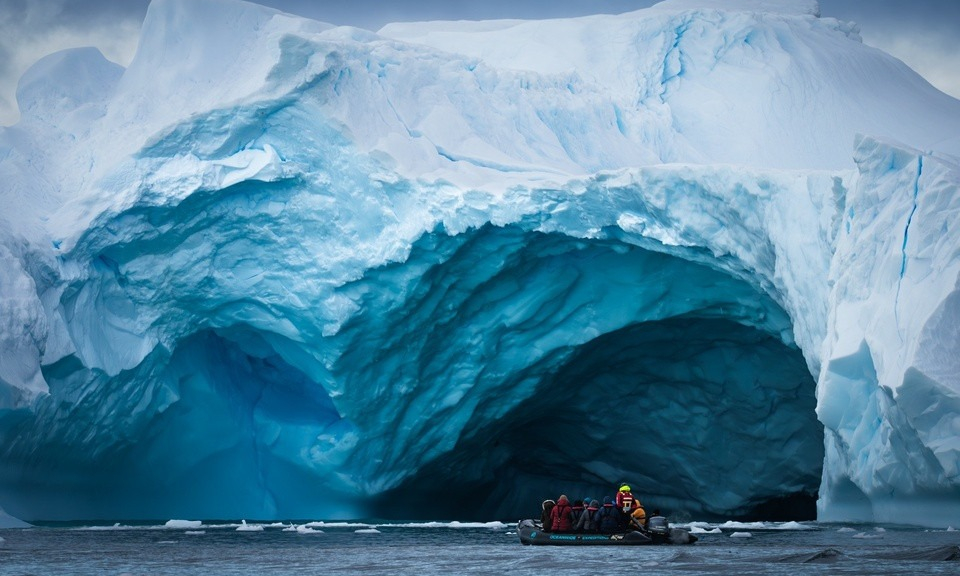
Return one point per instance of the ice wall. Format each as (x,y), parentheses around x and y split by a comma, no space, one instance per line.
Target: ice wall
(281,269)
(889,393)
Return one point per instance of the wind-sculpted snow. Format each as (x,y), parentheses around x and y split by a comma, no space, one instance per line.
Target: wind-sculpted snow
(280,269)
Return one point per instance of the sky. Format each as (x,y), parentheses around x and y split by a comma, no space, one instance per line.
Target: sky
(925,34)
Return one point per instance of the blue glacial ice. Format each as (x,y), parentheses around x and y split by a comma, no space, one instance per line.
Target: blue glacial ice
(282,269)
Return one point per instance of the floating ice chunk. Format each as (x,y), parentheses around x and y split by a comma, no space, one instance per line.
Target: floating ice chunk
(865,536)
(745,525)
(180,524)
(367,531)
(698,530)
(846,529)
(195,532)
(338,525)
(116,526)
(794,526)
(244,527)
(302,529)
(741,535)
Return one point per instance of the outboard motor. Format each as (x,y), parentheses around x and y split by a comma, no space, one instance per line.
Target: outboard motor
(658,525)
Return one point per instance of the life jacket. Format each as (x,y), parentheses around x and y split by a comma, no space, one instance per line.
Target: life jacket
(625,501)
(576,511)
(608,518)
(562,518)
(589,520)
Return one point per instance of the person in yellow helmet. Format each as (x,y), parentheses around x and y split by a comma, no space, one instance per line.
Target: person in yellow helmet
(625,499)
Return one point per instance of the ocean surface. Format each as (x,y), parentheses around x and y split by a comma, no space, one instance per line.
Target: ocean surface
(180,547)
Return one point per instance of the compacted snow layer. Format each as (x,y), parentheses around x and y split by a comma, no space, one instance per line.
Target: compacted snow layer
(277,268)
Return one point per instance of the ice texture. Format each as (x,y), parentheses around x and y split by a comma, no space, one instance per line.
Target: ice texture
(278,269)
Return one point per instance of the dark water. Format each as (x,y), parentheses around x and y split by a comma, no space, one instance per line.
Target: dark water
(447,549)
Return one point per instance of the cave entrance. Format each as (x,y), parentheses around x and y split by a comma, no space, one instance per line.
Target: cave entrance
(697,396)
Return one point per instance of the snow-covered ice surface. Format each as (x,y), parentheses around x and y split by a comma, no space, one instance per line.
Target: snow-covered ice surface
(282,269)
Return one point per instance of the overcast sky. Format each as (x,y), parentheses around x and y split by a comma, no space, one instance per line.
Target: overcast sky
(923,33)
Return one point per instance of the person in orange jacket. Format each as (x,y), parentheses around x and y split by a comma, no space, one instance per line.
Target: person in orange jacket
(638,517)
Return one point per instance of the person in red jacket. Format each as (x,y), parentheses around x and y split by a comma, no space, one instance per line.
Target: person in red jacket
(561,516)
(625,500)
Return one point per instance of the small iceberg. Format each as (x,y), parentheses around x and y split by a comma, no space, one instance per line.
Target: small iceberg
(244,527)
(367,531)
(180,524)
(794,526)
(741,535)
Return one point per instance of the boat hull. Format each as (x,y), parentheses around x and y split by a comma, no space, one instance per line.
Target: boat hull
(531,534)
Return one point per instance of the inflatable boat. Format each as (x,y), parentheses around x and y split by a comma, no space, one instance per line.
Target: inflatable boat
(658,532)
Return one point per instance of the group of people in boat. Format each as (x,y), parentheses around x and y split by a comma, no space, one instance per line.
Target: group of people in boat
(619,514)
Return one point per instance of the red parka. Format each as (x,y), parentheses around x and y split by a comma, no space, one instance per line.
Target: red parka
(561,517)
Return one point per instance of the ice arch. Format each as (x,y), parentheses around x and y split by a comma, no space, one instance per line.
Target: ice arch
(486,369)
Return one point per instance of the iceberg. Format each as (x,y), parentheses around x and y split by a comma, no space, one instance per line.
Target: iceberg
(281,269)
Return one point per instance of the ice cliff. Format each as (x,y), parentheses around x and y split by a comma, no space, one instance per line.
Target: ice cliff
(282,269)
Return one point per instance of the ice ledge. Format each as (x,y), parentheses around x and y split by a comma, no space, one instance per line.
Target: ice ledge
(797,7)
